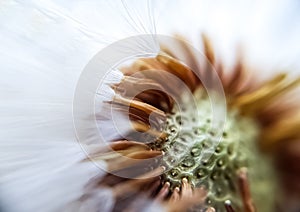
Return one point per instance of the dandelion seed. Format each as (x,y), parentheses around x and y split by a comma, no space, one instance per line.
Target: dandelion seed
(178,136)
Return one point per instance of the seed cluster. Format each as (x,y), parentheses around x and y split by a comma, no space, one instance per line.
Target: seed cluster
(194,151)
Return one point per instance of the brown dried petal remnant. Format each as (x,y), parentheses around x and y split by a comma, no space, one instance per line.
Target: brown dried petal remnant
(221,182)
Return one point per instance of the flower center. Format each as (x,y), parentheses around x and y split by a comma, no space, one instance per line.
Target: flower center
(194,152)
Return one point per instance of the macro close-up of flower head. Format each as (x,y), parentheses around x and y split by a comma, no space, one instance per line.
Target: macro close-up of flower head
(111,106)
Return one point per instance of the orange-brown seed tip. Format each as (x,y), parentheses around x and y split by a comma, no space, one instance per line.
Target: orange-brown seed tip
(175,195)
(210,209)
(245,190)
(228,206)
(186,189)
(242,172)
(163,192)
(184,180)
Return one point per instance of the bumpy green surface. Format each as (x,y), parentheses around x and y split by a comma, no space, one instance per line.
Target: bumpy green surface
(192,150)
